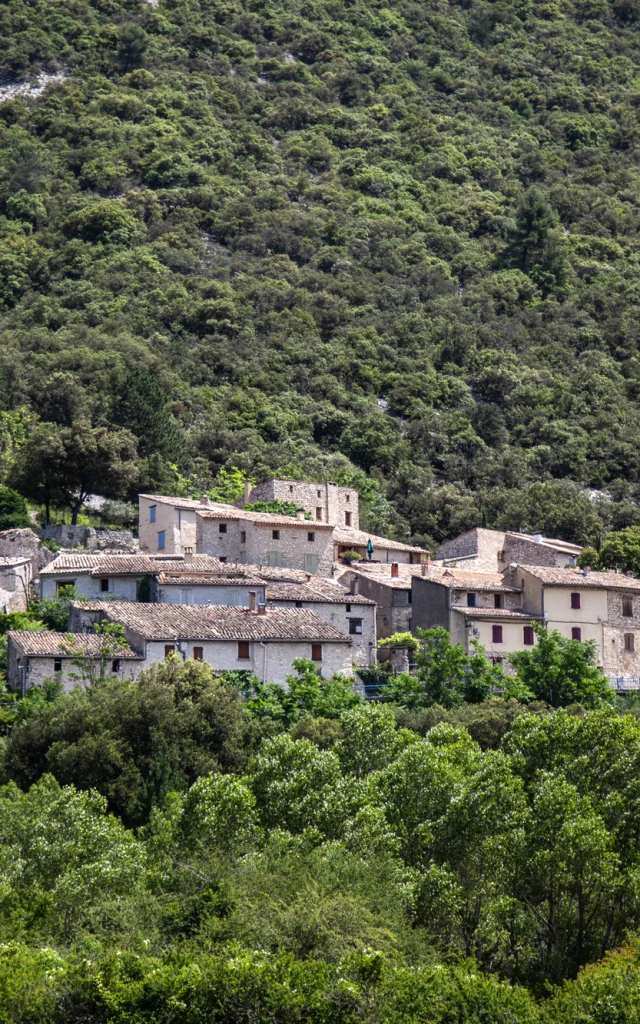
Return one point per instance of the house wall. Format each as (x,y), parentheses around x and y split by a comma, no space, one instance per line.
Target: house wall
(430,603)
(481,630)
(485,599)
(167,519)
(531,552)
(121,588)
(484,544)
(14,587)
(280,655)
(35,671)
(589,617)
(208,594)
(292,544)
(386,555)
(334,501)
(363,649)
(616,662)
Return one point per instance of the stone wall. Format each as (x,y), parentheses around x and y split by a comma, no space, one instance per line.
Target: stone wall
(529,552)
(121,588)
(36,671)
(340,616)
(88,537)
(484,544)
(327,502)
(25,543)
(208,594)
(259,547)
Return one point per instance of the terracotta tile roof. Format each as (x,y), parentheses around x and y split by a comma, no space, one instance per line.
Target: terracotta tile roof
(333,593)
(380,572)
(207,580)
(219,622)
(607,580)
(454,579)
(131,565)
(496,613)
(348,535)
(44,644)
(176,502)
(271,572)
(550,542)
(213,511)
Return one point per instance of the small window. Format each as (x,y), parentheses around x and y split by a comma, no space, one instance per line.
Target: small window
(298,604)
(627,607)
(348,497)
(169,649)
(275,534)
(62,584)
(243,536)
(498,660)
(629,642)
(290,488)
(496,634)
(319,493)
(316,652)
(104,586)
(198,653)
(409,597)
(348,607)
(347,519)
(152,513)
(115,665)
(528,636)
(311,537)
(243,650)
(160,540)
(575,600)
(355,626)
(319,514)
(497,600)
(222,528)
(576,633)
(57,665)
(222,558)
(471,600)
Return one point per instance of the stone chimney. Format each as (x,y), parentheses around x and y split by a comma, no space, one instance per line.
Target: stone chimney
(252,600)
(188,554)
(247,489)
(629,573)
(424,568)
(353,585)
(394,571)
(204,499)
(262,609)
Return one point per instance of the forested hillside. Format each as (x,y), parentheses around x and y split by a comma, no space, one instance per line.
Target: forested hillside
(324,238)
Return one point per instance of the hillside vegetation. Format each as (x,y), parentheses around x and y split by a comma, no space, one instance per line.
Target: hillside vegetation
(324,238)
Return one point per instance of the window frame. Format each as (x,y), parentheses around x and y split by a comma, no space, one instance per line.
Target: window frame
(311,537)
(576,633)
(152,513)
(275,535)
(222,527)
(627,606)
(162,534)
(198,653)
(353,627)
(528,636)
(630,643)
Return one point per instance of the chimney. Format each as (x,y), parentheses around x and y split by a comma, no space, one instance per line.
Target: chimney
(204,499)
(262,609)
(308,577)
(629,573)
(252,600)
(300,513)
(247,489)
(586,570)
(188,554)
(394,571)
(353,585)
(424,568)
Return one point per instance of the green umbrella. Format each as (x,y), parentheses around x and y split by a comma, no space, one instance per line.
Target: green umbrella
(369,549)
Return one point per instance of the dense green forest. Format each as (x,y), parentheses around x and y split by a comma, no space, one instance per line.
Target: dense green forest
(174,854)
(392,244)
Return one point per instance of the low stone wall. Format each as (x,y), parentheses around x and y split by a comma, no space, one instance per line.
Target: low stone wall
(88,537)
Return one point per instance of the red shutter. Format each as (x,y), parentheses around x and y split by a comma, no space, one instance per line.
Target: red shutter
(528,636)
(496,634)
(576,633)
(575,600)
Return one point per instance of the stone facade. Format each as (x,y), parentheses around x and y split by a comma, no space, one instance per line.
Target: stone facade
(89,538)
(194,592)
(346,617)
(536,551)
(15,584)
(25,543)
(327,502)
(477,546)
(393,613)
(167,525)
(119,588)
(293,544)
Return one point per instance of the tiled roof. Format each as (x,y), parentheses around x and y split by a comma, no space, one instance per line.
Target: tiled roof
(259,518)
(131,565)
(332,593)
(380,572)
(348,535)
(56,645)
(550,542)
(219,622)
(454,579)
(176,502)
(496,613)
(208,580)
(576,578)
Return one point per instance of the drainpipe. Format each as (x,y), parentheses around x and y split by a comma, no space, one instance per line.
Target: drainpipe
(264,661)
(180,644)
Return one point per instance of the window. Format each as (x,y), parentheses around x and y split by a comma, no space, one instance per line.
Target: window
(104,586)
(629,642)
(169,649)
(243,536)
(198,653)
(187,596)
(316,652)
(152,513)
(275,534)
(242,557)
(160,540)
(497,600)
(115,665)
(576,633)
(471,600)
(348,497)
(222,558)
(290,488)
(575,600)
(627,607)
(311,537)
(57,665)
(275,558)
(355,627)
(311,564)
(222,528)
(319,493)
(243,650)
(498,660)
(347,519)
(348,607)
(298,604)
(409,596)
(62,584)
(528,636)
(319,514)
(496,634)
